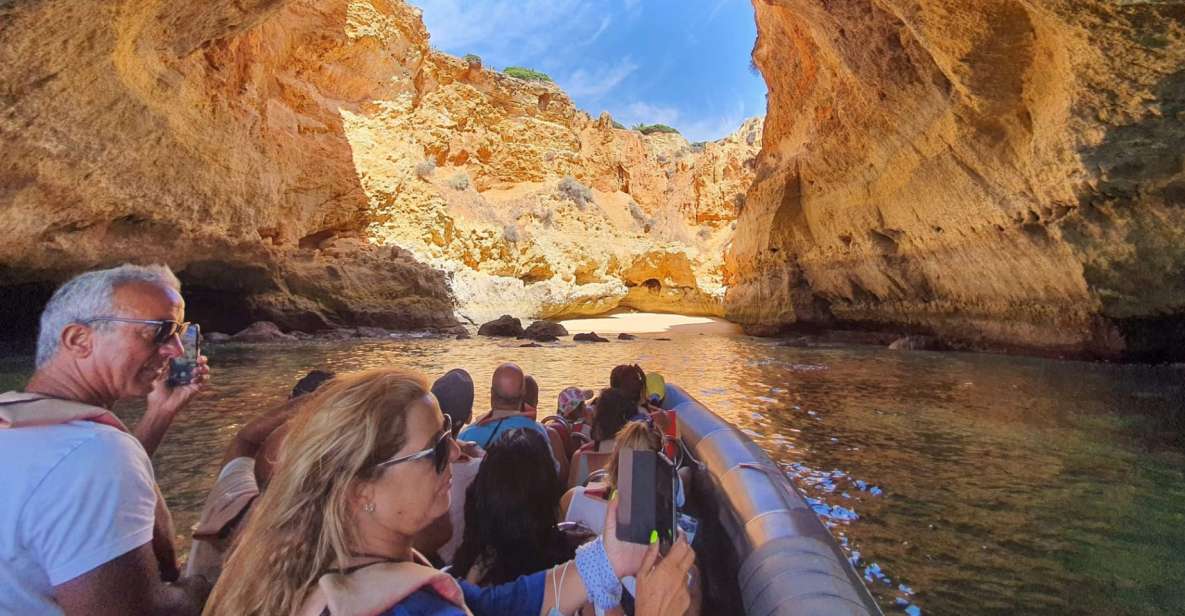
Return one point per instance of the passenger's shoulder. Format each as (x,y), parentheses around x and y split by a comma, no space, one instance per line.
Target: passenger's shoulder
(108,447)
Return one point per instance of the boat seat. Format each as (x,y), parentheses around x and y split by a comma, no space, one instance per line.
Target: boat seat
(584,463)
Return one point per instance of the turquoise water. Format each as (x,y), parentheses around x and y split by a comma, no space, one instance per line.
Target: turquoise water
(1007,484)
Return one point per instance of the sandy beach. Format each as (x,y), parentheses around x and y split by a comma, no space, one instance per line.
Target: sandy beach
(651,323)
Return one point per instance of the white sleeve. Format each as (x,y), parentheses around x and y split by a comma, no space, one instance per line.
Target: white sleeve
(97,504)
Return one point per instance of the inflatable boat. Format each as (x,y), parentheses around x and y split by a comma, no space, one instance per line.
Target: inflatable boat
(761,545)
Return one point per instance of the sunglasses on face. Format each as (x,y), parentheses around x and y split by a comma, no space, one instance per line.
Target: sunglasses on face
(164,329)
(439,452)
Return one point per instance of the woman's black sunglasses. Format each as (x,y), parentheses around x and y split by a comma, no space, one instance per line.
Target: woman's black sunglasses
(164,329)
(439,452)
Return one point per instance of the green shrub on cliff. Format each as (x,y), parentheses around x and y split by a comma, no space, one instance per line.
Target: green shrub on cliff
(649,129)
(526,73)
(472,58)
(617,124)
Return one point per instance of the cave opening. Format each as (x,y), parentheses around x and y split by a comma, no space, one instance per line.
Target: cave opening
(652,285)
(20,313)
(216,310)
(218,295)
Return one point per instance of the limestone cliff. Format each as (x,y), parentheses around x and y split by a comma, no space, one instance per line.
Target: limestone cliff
(268,150)
(536,209)
(207,135)
(1003,173)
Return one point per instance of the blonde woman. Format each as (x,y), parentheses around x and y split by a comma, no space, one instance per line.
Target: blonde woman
(587,505)
(366,467)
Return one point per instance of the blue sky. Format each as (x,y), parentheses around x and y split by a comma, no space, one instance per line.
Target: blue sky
(679,62)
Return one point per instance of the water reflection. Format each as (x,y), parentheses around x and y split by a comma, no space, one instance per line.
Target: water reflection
(1008,483)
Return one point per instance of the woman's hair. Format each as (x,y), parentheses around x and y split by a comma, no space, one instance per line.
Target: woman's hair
(630,379)
(638,435)
(301,526)
(511,512)
(614,409)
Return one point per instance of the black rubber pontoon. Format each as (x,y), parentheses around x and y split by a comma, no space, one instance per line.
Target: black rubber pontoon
(759,540)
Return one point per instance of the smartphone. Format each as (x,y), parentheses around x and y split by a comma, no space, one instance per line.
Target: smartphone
(646,497)
(181,369)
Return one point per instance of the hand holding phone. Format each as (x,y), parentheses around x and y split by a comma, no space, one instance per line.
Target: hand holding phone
(182,369)
(646,507)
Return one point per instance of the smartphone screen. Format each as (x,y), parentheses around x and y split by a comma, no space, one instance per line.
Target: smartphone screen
(646,498)
(181,369)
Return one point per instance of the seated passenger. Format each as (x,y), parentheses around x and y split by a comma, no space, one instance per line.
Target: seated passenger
(454,391)
(506,402)
(572,407)
(511,513)
(656,389)
(531,396)
(631,380)
(365,468)
(586,505)
(614,408)
(237,486)
(83,526)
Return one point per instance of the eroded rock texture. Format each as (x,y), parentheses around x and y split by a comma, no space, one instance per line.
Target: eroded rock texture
(536,209)
(1003,173)
(276,154)
(207,135)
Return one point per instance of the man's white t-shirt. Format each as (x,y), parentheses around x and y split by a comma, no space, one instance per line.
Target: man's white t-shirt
(72,497)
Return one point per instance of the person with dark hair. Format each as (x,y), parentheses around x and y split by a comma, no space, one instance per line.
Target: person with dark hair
(631,380)
(310,382)
(454,392)
(511,511)
(615,408)
(531,396)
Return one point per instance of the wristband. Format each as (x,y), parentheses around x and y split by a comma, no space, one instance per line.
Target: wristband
(601,584)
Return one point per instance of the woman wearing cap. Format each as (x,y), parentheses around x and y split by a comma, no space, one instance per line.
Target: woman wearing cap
(363,470)
(572,407)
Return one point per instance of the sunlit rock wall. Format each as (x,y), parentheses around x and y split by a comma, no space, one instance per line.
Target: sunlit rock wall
(267,150)
(207,135)
(1001,173)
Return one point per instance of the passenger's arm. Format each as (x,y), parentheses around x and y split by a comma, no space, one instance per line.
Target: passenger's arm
(558,451)
(250,438)
(164,403)
(130,585)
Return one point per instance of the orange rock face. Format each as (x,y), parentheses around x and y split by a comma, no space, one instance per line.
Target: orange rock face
(536,209)
(207,135)
(1000,173)
(275,153)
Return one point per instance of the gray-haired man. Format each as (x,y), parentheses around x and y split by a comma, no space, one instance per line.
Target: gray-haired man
(78,498)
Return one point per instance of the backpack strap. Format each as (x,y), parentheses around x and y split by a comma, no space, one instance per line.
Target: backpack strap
(21,410)
(375,587)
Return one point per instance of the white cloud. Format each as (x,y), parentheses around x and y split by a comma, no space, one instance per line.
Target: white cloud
(599,81)
(605,21)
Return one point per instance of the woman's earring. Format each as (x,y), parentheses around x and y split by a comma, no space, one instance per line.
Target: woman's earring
(368,507)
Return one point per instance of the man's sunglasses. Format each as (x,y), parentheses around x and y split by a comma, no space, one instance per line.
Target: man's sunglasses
(439,452)
(164,329)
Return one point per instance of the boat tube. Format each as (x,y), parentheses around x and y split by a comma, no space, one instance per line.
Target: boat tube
(760,544)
